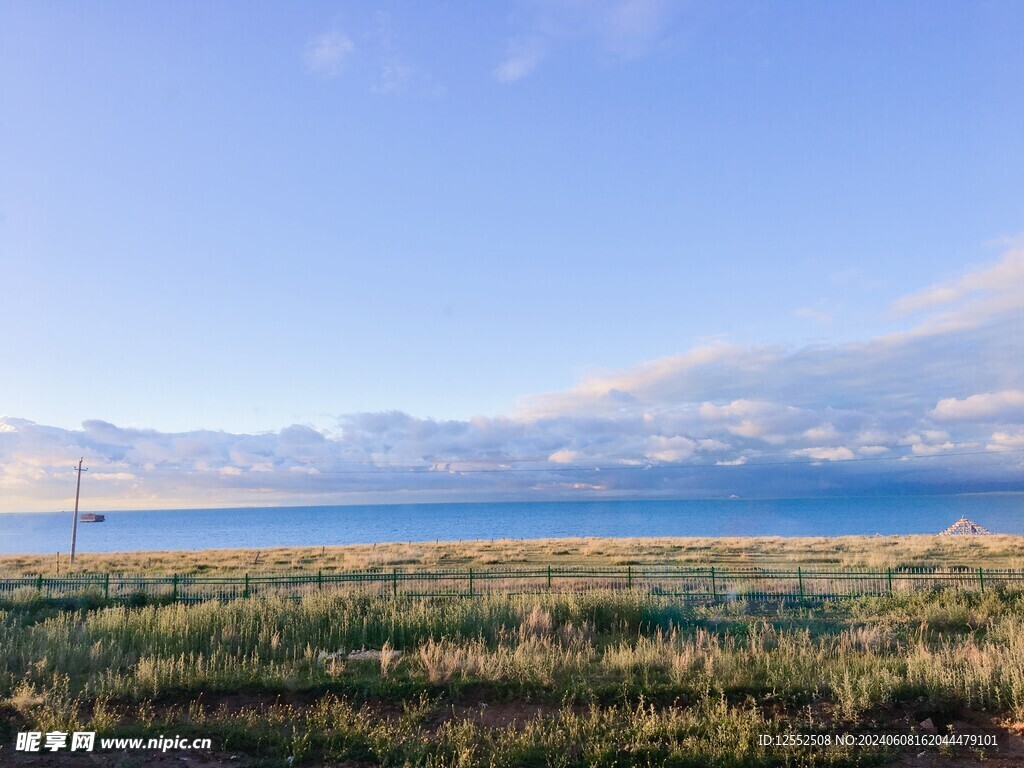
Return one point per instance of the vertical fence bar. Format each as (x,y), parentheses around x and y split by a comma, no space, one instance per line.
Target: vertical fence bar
(470,582)
(981,578)
(888,575)
(800,582)
(629,577)
(245,592)
(174,588)
(394,582)
(39,583)
(320,581)
(714,589)
(106,586)
(549,577)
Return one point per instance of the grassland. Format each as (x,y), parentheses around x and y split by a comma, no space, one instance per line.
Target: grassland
(563,679)
(596,678)
(846,552)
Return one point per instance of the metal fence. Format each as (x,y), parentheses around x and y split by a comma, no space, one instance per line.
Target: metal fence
(702,584)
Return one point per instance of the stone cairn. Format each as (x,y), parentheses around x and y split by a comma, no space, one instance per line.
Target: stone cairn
(964,527)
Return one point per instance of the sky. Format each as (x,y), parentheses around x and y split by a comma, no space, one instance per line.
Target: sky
(290,253)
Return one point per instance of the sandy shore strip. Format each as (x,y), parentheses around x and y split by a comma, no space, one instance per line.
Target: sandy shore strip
(841,552)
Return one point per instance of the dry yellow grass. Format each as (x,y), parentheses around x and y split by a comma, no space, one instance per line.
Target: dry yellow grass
(841,552)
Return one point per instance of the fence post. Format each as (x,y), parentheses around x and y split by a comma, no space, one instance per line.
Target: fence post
(800,581)
(245,593)
(320,580)
(106,586)
(629,577)
(174,587)
(549,578)
(714,591)
(470,582)
(981,578)
(394,582)
(888,576)
(39,583)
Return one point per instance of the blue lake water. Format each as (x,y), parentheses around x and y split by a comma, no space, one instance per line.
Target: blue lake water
(317,526)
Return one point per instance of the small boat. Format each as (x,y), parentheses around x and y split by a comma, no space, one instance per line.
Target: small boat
(89,517)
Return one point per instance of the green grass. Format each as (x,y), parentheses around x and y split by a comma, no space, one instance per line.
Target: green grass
(636,679)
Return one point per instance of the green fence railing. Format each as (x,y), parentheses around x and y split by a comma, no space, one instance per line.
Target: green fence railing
(712,583)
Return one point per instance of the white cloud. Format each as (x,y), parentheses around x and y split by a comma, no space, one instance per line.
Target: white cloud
(712,445)
(737,409)
(873,450)
(563,456)
(738,462)
(931,449)
(631,27)
(1006,441)
(622,29)
(387,58)
(670,449)
(772,423)
(821,433)
(394,77)
(371,55)
(522,59)
(328,54)
(991,406)
(999,277)
(970,300)
(838,453)
(872,435)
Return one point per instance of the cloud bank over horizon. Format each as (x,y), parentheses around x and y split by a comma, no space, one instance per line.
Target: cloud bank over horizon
(936,407)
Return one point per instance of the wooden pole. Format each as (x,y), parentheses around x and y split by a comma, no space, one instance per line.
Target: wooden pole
(74,520)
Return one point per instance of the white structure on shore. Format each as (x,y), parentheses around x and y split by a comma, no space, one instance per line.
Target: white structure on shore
(964,527)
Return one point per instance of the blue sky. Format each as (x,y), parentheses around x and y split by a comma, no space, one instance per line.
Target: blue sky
(568,229)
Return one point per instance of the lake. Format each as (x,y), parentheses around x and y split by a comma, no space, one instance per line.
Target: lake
(332,525)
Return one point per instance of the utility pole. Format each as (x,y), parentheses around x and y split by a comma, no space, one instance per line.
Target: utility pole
(74,521)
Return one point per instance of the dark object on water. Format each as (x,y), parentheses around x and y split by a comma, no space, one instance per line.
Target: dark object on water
(964,527)
(89,517)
